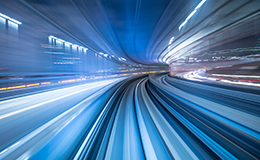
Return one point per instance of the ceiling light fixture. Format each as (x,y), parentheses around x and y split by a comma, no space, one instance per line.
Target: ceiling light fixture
(67,43)
(10,19)
(123,59)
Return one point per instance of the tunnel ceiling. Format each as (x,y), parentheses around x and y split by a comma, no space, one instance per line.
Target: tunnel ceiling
(140,30)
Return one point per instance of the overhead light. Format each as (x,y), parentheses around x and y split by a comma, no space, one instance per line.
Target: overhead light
(10,19)
(123,59)
(67,43)
(192,13)
(60,40)
(53,37)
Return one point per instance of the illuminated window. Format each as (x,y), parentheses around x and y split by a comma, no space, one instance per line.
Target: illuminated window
(2,21)
(67,45)
(13,25)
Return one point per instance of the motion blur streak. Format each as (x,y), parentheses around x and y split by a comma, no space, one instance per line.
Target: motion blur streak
(129,79)
(47,101)
(68,92)
(146,117)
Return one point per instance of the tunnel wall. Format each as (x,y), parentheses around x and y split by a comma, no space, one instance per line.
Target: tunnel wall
(225,31)
(26,47)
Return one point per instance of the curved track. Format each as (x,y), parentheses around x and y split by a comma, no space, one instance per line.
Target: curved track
(150,117)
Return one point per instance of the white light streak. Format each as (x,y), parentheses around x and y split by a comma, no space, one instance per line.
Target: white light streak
(170,42)
(192,13)
(200,4)
(37,131)
(123,59)
(183,23)
(244,76)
